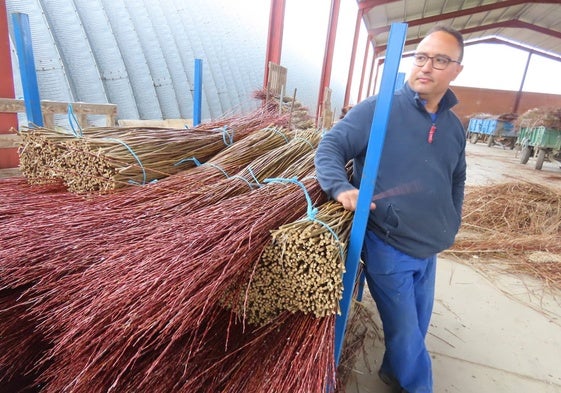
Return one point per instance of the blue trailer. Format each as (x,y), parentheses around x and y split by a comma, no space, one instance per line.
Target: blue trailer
(493,131)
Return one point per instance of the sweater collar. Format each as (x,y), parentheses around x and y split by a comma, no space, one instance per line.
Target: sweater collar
(447,102)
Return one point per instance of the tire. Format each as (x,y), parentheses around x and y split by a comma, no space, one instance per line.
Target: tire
(490,141)
(473,138)
(525,154)
(540,159)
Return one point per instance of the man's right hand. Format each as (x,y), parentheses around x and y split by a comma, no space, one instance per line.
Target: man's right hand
(349,199)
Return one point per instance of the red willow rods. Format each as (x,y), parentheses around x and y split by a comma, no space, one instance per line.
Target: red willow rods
(171,279)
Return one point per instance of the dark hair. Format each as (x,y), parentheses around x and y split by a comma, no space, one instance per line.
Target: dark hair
(455,33)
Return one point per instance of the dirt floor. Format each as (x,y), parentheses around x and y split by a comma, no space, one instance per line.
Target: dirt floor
(491,331)
(491,165)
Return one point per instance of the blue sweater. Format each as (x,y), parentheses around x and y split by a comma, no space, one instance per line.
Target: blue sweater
(426,219)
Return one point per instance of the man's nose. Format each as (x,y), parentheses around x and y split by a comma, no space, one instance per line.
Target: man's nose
(427,67)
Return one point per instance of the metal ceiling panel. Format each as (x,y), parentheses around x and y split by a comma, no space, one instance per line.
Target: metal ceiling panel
(532,24)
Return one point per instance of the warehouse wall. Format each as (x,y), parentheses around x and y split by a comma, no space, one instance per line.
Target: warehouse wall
(496,102)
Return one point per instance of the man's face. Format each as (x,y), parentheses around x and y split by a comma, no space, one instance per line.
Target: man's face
(429,82)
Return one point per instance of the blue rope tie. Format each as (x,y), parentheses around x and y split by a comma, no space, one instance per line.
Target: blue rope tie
(311,211)
(135,157)
(227,138)
(197,162)
(276,130)
(299,138)
(253,175)
(73,120)
(217,167)
(244,179)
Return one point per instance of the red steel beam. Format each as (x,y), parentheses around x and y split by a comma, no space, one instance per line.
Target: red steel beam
(8,156)
(460,13)
(274,38)
(328,55)
(516,24)
(363,72)
(359,16)
(366,5)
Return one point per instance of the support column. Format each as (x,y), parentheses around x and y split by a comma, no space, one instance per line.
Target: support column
(274,39)
(328,55)
(8,155)
(359,16)
(364,65)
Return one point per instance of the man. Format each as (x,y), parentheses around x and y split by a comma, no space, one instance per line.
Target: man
(424,157)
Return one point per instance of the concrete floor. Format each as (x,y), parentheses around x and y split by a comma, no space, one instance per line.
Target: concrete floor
(489,333)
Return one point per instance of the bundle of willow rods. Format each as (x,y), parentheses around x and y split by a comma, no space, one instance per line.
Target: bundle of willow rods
(223,165)
(298,116)
(103,159)
(513,221)
(301,269)
(173,278)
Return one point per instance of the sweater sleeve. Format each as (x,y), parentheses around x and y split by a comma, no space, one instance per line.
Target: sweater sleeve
(345,141)
(458,183)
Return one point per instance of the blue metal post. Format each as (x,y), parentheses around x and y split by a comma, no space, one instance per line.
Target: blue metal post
(24,48)
(396,41)
(198,92)
(399,81)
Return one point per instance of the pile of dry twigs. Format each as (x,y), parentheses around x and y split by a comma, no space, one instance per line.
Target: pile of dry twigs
(517,222)
(548,117)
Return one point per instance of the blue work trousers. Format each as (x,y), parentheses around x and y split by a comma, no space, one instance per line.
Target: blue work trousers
(403,289)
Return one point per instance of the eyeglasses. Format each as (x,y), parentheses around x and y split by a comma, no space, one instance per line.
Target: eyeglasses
(439,62)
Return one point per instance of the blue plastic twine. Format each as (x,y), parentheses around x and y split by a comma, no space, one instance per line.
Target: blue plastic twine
(72,120)
(217,167)
(197,162)
(135,157)
(311,211)
(225,134)
(253,175)
(276,130)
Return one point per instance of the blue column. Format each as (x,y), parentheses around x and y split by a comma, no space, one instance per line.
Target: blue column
(24,49)
(198,92)
(396,41)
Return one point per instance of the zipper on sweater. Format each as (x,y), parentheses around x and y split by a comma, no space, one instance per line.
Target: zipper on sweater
(431,132)
(432,129)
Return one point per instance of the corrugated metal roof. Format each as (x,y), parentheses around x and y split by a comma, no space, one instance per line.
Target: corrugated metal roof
(531,24)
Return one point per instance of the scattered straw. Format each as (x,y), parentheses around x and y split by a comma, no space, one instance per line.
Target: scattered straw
(518,222)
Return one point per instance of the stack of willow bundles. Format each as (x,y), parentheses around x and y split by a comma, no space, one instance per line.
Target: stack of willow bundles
(50,236)
(124,316)
(547,117)
(300,270)
(171,193)
(67,237)
(103,159)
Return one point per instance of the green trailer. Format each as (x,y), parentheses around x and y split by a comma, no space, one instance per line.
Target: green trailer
(541,142)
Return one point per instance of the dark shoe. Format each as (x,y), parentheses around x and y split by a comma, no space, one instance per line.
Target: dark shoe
(391,381)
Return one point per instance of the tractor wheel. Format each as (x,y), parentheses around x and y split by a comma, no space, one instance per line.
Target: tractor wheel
(540,159)
(525,154)
(490,141)
(473,138)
